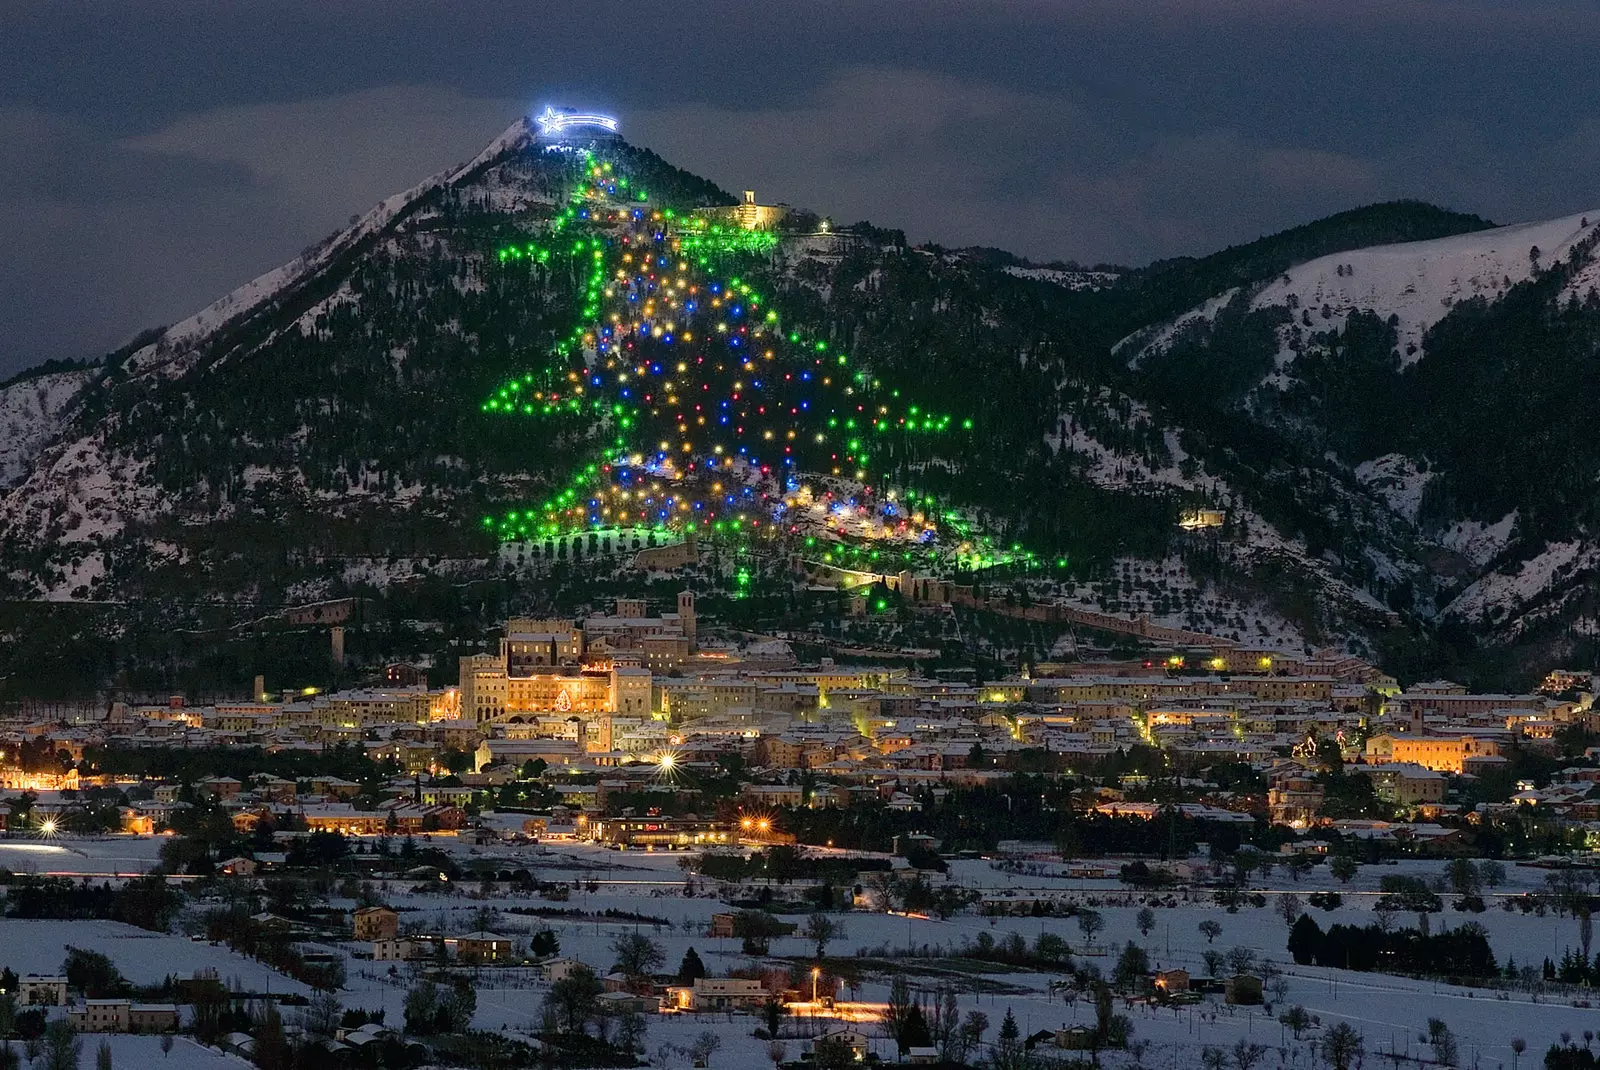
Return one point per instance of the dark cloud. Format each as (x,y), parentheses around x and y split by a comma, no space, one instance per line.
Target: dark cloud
(154,155)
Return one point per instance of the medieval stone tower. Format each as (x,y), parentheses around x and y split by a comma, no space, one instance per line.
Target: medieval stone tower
(686,614)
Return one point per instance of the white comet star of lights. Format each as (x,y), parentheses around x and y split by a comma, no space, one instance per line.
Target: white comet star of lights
(553,122)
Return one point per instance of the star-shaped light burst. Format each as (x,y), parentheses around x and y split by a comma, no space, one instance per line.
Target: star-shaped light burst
(553,122)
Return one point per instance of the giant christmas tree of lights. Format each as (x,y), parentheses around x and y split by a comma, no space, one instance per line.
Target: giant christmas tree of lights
(714,415)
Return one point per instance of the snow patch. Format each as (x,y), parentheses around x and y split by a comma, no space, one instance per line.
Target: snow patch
(1071,280)
(1396,479)
(1502,593)
(30,416)
(1478,542)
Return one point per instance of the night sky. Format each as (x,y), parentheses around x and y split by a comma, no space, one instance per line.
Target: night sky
(155,155)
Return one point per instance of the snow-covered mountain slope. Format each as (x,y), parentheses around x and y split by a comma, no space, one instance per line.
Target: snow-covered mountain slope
(76,490)
(1484,525)
(185,337)
(1416,282)
(31,413)
(1071,280)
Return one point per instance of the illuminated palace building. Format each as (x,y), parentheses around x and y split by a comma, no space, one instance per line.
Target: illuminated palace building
(552,671)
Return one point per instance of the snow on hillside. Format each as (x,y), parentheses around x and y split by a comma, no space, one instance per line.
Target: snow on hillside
(30,413)
(78,494)
(1071,280)
(1500,593)
(1478,542)
(1152,340)
(1417,282)
(184,337)
(1396,479)
(1420,282)
(143,957)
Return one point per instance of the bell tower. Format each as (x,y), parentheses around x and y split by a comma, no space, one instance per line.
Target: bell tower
(686,614)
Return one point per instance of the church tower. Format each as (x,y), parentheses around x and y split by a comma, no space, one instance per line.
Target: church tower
(686,614)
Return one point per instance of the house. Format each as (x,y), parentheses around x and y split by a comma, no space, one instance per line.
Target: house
(558,969)
(481,947)
(376,923)
(221,787)
(153,1018)
(716,994)
(1172,981)
(1243,989)
(922,1056)
(238,867)
(856,1040)
(394,949)
(101,1015)
(40,991)
(1075,1038)
(628,1003)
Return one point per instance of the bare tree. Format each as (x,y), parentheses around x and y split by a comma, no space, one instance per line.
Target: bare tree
(1443,1042)
(1289,908)
(820,929)
(704,1046)
(1518,1046)
(1246,1054)
(1342,1046)
(637,954)
(777,1051)
(1210,930)
(1146,920)
(1090,923)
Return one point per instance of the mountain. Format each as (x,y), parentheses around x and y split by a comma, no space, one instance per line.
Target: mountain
(1445,380)
(563,337)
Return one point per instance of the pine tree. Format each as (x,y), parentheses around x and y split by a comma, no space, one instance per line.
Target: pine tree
(691,968)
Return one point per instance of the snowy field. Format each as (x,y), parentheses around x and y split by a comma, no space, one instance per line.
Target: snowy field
(141,1053)
(143,957)
(106,856)
(1387,1010)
